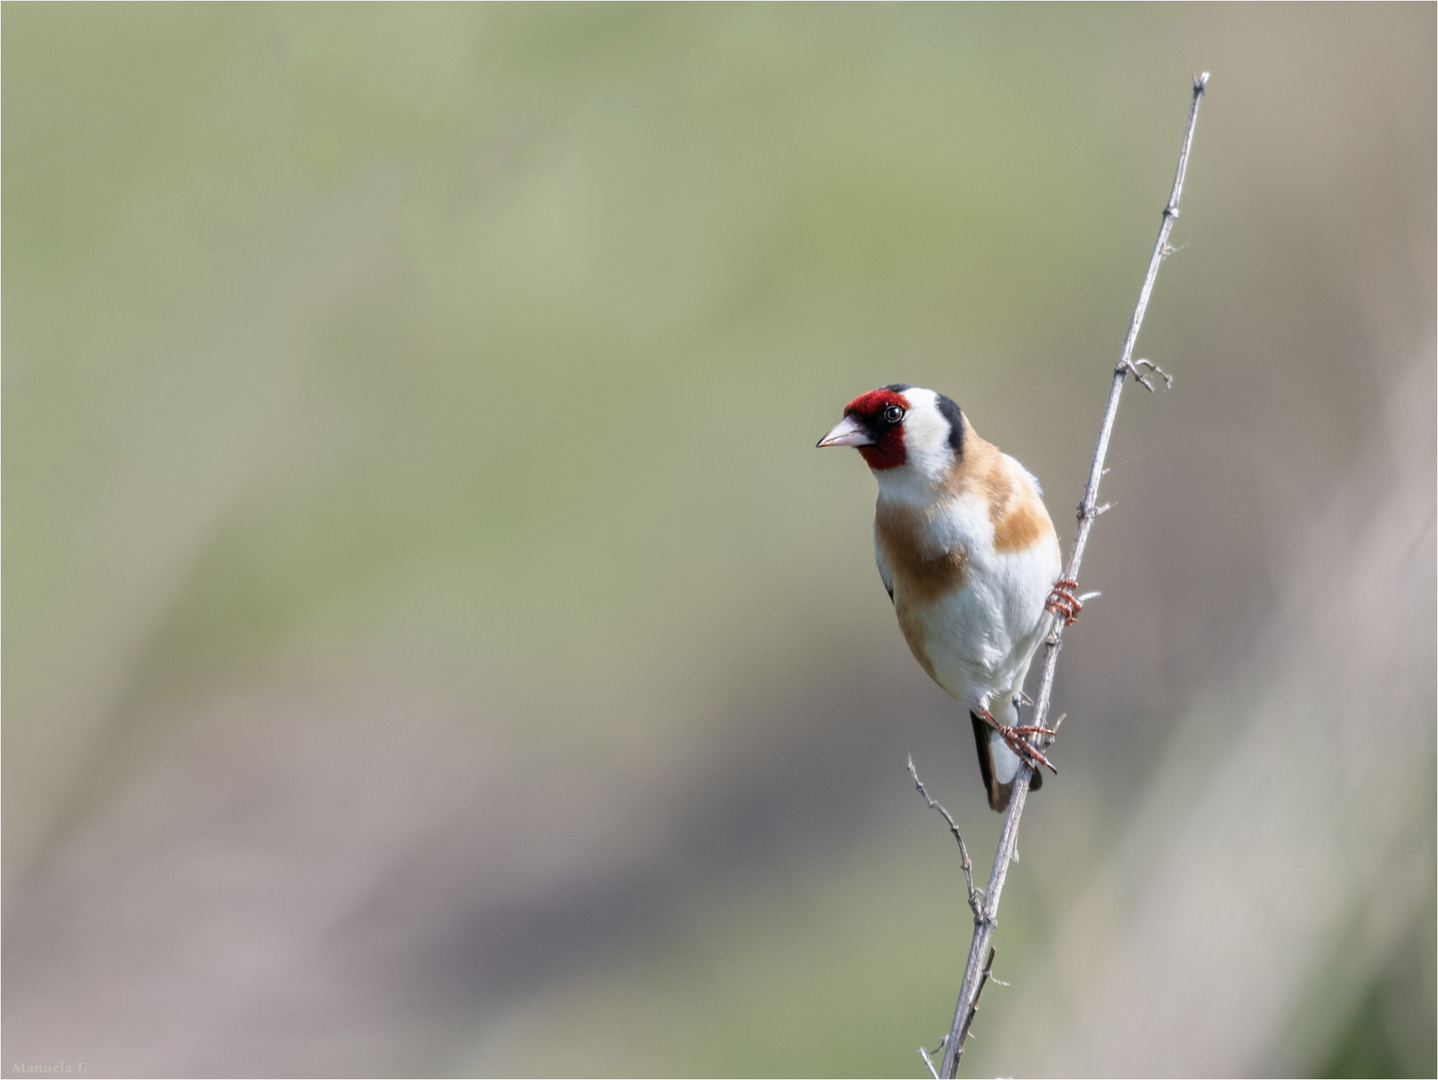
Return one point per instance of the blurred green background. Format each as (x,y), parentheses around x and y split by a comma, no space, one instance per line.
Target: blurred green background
(433,646)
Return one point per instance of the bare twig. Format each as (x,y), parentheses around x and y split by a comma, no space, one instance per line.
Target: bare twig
(1143,379)
(976,971)
(929,1061)
(976,896)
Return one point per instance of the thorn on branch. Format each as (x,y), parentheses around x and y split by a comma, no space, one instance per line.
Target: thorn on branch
(976,895)
(1053,732)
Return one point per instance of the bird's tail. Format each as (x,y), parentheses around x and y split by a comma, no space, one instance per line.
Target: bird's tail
(999,765)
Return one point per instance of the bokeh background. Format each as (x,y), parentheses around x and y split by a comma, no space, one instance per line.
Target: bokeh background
(432,644)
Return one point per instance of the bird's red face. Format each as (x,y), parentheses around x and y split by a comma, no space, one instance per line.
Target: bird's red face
(874,423)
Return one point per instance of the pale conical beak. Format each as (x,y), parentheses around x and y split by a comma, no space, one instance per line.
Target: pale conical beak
(847,432)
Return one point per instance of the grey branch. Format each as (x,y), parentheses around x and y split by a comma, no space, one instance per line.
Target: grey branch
(974,1011)
(976,971)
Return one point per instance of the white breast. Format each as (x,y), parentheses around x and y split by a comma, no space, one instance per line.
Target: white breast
(977,640)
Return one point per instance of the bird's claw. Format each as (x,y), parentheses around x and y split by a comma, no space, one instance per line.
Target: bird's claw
(1062,601)
(1016,739)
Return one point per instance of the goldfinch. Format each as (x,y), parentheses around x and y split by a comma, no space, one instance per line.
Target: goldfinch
(969,557)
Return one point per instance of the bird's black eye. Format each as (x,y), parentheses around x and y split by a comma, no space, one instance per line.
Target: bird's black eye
(893,414)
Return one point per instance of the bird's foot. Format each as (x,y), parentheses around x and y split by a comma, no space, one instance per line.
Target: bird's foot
(1063,602)
(1016,739)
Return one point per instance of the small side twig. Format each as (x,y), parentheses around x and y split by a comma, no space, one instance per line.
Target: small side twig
(929,1061)
(1143,379)
(976,896)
